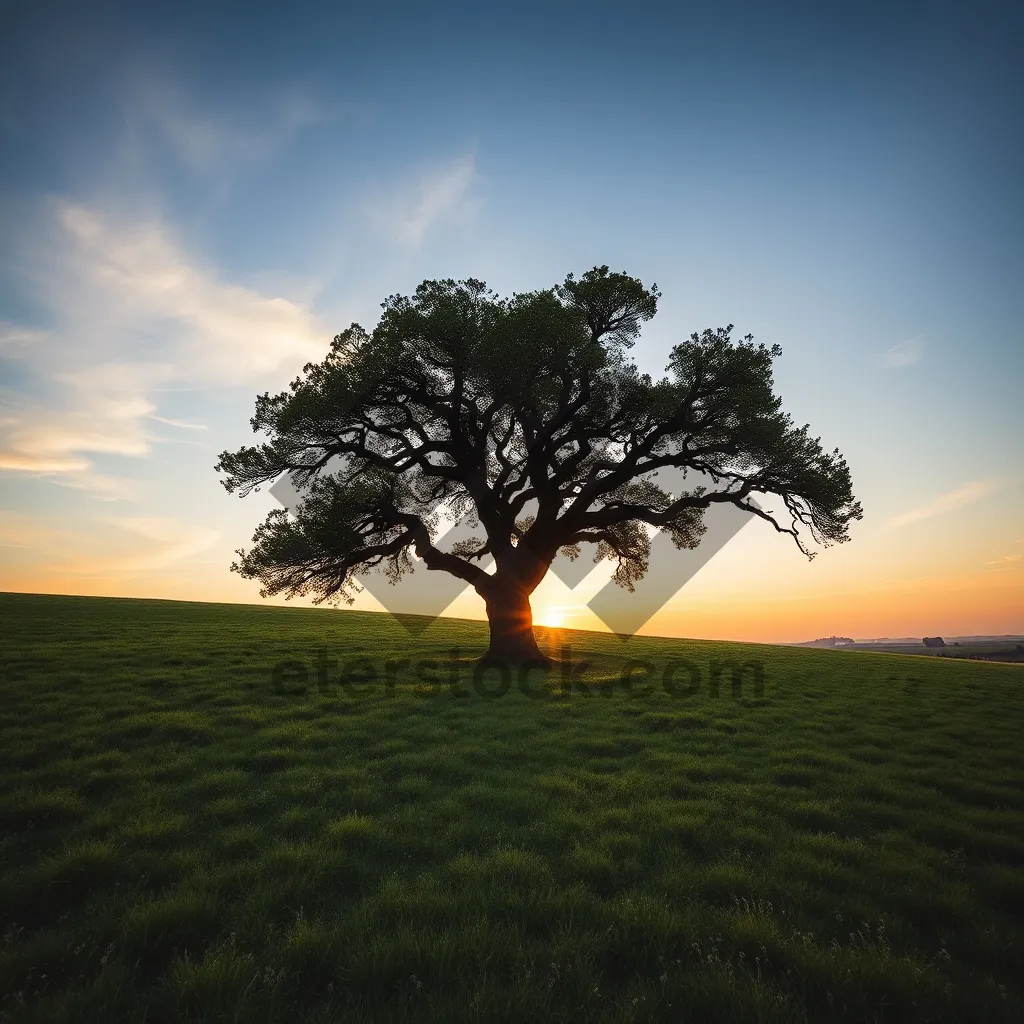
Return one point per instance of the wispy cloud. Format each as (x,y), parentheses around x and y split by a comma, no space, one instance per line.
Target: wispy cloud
(948,502)
(111,284)
(225,142)
(29,532)
(1007,560)
(14,338)
(179,424)
(141,276)
(905,353)
(164,542)
(102,410)
(120,547)
(440,192)
(1015,560)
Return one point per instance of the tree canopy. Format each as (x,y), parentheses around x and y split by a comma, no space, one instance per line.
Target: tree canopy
(527,414)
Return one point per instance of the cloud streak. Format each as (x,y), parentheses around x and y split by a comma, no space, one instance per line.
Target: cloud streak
(165,543)
(948,502)
(221,145)
(136,544)
(1009,562)
(14,338)
(442,192)
(906,353)
(179,424)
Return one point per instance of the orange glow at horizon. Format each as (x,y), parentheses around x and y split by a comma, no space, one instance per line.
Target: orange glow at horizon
(981,603)
(887,584)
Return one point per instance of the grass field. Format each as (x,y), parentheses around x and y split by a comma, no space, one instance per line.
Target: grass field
(185,837)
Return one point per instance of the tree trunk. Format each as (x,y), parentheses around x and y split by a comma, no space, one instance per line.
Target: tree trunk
(511,624)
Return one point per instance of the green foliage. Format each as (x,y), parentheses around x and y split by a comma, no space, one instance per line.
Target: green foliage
(181,842)
(526,413)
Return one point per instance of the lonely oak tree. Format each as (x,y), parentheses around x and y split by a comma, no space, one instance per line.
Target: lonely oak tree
(527,415)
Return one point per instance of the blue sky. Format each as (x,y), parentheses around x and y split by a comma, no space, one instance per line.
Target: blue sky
(195,198)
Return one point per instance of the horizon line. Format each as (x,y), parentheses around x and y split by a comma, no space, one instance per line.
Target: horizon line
(459,618)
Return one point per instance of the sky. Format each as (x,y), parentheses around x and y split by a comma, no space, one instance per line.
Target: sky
(195,198)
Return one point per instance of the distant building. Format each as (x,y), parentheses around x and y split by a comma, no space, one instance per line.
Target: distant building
(933,641)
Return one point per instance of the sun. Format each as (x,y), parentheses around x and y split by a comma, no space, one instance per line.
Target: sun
(553,616)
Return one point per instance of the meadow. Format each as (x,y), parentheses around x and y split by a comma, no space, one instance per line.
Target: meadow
(187,834)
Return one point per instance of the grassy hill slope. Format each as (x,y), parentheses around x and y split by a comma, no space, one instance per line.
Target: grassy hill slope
(185,835)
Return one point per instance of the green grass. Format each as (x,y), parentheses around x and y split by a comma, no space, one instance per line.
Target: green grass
(182,842)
